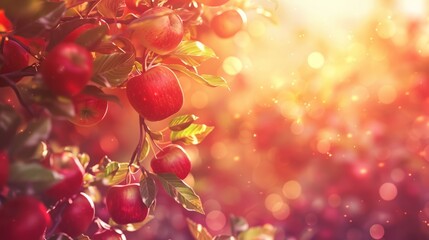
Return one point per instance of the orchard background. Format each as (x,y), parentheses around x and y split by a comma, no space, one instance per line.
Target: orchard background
(312,119)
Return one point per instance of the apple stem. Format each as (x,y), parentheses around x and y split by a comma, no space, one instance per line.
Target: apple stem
(12,85)
(57,218)
(142,135)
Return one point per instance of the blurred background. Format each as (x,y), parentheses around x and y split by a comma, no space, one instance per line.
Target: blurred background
(324,133)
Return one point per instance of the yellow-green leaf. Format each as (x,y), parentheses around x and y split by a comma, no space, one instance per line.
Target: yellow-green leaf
(198,231)
(111,70)
(193,53)
(208,80)
(193,134)
(115,173)
(34,173)
(181,192)
(266,232)
(145,149)
(131,227)
(181,122)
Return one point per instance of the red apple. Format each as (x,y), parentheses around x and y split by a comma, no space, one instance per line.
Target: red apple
(76,33)
(4,169)
(228,23)
(23,218)
(161,34)
(67,69)
(212,2)
(89,110)
(172,159)
(155,94)
(69,166)
(109,234)
(77,215)
(125,205)
(15,58)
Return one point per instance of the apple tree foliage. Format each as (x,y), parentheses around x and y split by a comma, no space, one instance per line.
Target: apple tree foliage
(59,57)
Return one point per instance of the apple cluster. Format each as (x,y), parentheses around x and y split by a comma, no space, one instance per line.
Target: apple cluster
(59,58)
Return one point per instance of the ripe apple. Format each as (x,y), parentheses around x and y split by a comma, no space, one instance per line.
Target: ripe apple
(161,34)
(76,33)
(23,218)
(89,110)
(68,165)
(4,169)
(15,58)
(77,215)
(67,69)
(5,24)
(125,204)
(109,234)
(226,24)
(155,94)
(212,3)
(172,159)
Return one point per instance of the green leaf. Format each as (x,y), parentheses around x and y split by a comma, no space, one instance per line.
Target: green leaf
(38,93)
(84,159)
(9,123)
(208,80)
(109,8)
(26,143)
(131,227)
(181,192)
(181,122)
(145,149)
(34,174)
(266,232)
(193,134)
(198,231)
(148,189)
(115,173)
(92,37)
(45,19)
(193,53)
(111,70)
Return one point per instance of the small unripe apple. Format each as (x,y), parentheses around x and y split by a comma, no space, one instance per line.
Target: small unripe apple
(228,23)
(89,110)
(161,34)
(172,159)
(77,215)
(109,234)
(155,94)
(68,165)
(23,218)
(212,3)
(125,204)
(67,69)
(15,58)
